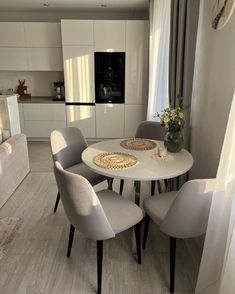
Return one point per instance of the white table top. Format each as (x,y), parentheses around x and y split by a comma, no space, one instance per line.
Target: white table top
(147,168)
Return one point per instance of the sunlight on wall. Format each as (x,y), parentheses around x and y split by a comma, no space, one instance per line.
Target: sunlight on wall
(110,50)
(79,72)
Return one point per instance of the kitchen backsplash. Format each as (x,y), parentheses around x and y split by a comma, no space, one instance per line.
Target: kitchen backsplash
(40,83)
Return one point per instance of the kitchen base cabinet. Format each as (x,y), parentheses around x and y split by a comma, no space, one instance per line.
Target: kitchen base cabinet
(134,115)
(82,117)
(42,129)
(40,119)
(109,120)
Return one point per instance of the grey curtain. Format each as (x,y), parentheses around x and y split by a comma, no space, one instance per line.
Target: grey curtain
(183,35)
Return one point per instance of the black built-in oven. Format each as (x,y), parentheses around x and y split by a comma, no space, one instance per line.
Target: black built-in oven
(109,77)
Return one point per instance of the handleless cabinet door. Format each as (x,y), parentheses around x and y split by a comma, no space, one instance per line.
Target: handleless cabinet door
(136,90)
(109,35)
(77,32)
(134,115)
(13,59)
(79,73)
(43,34)
(83,117)
(48,59)
(109,120)
(12,34)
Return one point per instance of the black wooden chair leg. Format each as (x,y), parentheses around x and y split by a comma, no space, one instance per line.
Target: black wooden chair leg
(121,186)
(166,184)
(110,184)
(57,202)
(159,187)
(146,229)
(153,187)
(138,242)
(71,234)
(172,263)
(99,265)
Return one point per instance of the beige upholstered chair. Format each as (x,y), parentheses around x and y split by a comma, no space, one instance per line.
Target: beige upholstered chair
(183,214)
(98,216)
(67,145)
(148,130)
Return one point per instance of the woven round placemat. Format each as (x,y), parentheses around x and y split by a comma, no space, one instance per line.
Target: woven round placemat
(138,144)
(115,160)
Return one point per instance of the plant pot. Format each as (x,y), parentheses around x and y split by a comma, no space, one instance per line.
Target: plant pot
(174,141)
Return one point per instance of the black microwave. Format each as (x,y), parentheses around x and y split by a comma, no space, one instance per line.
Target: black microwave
(109,77)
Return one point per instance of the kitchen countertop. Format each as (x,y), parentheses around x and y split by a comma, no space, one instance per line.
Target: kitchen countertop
(38,99)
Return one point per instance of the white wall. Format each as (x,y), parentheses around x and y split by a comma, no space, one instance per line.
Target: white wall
(39,83)
(214,83)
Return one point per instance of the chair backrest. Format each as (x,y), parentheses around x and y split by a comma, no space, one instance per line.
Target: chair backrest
(67,145)
(188,215)
(150,130)
(82,205)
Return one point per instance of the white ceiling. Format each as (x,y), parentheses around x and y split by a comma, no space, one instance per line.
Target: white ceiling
(71,5)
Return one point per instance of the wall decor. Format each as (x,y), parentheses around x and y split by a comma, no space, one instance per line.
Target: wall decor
(220,12)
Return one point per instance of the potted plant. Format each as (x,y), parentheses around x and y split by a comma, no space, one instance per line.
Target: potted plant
(173,120)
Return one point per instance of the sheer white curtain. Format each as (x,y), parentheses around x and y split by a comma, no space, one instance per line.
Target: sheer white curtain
(217,270)
(159,14)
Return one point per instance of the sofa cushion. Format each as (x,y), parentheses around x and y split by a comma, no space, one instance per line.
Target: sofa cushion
(5,135)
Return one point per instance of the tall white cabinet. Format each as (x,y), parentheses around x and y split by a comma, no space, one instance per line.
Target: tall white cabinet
(80,40)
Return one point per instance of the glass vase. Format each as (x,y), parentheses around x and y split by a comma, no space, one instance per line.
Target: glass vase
(174,141)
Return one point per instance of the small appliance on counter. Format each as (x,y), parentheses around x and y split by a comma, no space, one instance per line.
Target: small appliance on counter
(59,91)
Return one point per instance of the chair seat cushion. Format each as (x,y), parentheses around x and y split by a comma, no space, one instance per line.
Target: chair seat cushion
(83,170)
(157,206)
(121,213)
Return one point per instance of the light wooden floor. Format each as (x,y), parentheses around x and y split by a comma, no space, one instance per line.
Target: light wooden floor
(36,259)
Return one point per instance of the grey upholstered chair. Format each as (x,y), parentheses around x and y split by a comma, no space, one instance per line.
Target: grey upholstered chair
(98,216)
(183,214)
(67,145)
(148,130)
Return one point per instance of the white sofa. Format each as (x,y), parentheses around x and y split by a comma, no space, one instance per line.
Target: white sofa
(14,163)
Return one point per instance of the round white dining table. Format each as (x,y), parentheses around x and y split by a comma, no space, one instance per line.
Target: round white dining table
(146,169)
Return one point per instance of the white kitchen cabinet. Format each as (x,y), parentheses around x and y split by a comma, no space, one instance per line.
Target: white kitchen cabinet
(77,32)
(109,120)
(134,115)
(79,73)
(13,59)
(44,111)
(48,59)
(12,34)
(40,119)
(136,84)
(109,35)
(42,129)
(42,34)
(82,117)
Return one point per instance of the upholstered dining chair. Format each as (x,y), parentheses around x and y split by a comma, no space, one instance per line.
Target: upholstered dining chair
(148,130)
(183,214)
(98,216)
(67,145)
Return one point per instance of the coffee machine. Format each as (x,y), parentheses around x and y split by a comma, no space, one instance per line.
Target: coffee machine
(59,91)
